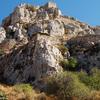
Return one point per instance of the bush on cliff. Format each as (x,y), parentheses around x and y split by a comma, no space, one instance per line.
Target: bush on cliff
(66,85)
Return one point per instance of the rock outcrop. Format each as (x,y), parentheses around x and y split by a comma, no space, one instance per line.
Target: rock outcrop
(31,37)
(50,27)
(37,59)
(36,31)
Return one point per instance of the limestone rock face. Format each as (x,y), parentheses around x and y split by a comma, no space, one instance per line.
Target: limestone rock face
(2,34)
(37,59)
(25,13)
(74,27)
(56,28)
(27,20)
(38,27)
(21,14)
(34,54)
(51,27)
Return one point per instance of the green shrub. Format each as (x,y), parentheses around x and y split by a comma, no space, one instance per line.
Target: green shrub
(72,18)
(31,8)
(95,72)
(26,89)
(69,64)
(3,96)
(66,85)
(72,62)
(92,80)
(23,87)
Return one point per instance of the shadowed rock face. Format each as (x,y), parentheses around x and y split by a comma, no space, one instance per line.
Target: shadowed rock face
(30,37)
(87,50)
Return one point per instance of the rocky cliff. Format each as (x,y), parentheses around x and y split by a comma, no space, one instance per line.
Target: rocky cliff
(31,38)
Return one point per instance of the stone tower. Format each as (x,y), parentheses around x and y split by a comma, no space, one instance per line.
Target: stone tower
(51,4)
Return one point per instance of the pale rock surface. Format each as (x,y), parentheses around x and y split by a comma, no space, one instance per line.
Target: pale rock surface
(55,27)
(51,27)
(37,20)
(38,27)
(2,34)
(21,14)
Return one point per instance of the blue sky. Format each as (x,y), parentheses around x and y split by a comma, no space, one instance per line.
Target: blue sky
(85,10)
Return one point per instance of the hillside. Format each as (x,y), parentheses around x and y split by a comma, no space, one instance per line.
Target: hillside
(37,42)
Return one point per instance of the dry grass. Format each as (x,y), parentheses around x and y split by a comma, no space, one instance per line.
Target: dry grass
(14,93)
(95,95)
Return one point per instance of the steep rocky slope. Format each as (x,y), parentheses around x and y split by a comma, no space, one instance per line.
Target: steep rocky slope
(30,39)
(87,50)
